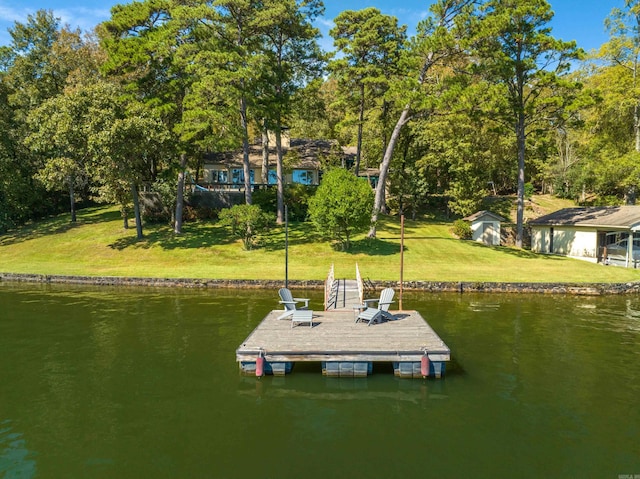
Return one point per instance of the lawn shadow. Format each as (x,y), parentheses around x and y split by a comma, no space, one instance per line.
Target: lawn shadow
(193,236)
(518,253)
(373,247)
(57,225)
(299,234)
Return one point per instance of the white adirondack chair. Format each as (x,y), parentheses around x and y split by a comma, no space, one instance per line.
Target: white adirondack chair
(290,303)
(373,315)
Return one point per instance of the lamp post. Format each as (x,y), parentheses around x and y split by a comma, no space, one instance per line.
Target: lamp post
(401,259)
(286,247)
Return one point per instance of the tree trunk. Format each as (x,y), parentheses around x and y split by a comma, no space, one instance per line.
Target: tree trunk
(177,225)
(379,201)
(631,193)
(136,210)
(72,199)
(360,128)
(636,126)
(280,175)
(520,135)
(636,111)
(245,150)
(264,177)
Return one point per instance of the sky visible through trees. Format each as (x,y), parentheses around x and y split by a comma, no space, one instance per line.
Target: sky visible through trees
(475,93)
(580,20)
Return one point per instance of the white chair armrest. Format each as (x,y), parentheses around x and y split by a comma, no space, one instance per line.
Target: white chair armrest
(288,302)
(302,300)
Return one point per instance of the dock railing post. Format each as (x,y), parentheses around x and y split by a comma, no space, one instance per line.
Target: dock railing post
(344,292)
(401,261)
(286,247)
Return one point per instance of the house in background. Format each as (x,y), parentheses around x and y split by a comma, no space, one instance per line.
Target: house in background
(485,227)
(304,159)
(608,235)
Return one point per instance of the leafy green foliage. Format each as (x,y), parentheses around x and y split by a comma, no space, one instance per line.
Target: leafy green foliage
(462,229)
(41,60)
(185,69)
(370,44)
(296,198)
(246,221)
(610,136)
(527,69)
(529,189)
(341,206)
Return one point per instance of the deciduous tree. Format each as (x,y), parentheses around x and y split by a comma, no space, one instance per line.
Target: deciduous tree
(341,206)
(438,39)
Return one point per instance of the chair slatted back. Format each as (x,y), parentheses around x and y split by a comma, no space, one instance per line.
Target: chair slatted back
(386,298)
(285,295)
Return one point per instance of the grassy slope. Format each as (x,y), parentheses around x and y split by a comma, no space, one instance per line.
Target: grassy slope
(98,246)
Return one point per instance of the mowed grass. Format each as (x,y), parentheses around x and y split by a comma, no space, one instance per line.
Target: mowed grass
(98,245)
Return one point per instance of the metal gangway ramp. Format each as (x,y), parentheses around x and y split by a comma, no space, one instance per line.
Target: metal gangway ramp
(343,293)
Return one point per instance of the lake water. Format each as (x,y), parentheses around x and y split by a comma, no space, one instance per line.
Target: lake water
(132,383)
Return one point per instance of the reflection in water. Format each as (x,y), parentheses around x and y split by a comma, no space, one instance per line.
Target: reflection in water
(16,461)
(343,389)
(128,383)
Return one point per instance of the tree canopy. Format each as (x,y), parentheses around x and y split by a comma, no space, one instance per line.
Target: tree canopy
(341,206)
(481,100)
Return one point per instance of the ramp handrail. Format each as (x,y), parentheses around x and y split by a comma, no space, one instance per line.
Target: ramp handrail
(360,285)
(328,289)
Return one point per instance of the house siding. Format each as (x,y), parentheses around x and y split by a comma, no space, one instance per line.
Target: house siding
(487,232)
(567,240)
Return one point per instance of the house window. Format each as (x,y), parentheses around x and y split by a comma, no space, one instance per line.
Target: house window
(219,176)
(237,176)
(273,177)
(304,177)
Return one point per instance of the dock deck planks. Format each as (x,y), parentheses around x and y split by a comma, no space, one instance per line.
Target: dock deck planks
(335,336)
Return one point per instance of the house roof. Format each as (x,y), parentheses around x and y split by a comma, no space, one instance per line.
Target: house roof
(484,214)
(308,154)
(621,217)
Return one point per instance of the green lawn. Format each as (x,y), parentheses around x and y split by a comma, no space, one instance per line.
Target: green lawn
(99,246)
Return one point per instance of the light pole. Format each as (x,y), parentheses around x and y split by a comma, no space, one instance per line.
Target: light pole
(286,247)
(401,259)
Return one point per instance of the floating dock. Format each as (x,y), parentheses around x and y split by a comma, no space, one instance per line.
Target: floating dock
(343,347)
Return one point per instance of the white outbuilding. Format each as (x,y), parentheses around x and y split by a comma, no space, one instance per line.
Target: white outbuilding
(609,235)
(485,227)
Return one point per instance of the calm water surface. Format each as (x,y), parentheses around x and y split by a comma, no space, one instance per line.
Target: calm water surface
(127,383)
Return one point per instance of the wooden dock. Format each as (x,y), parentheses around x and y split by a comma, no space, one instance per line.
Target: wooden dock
(344,347)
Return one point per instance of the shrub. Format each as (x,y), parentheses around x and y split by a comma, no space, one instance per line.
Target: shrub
(341,206)
(462,229)
(528,191)
(296,197)
(245,221)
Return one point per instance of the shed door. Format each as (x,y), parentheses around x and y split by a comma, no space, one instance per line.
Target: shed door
(488,233)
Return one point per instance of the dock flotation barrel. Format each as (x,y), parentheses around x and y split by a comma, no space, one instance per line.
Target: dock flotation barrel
(424,365)
(260,365)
